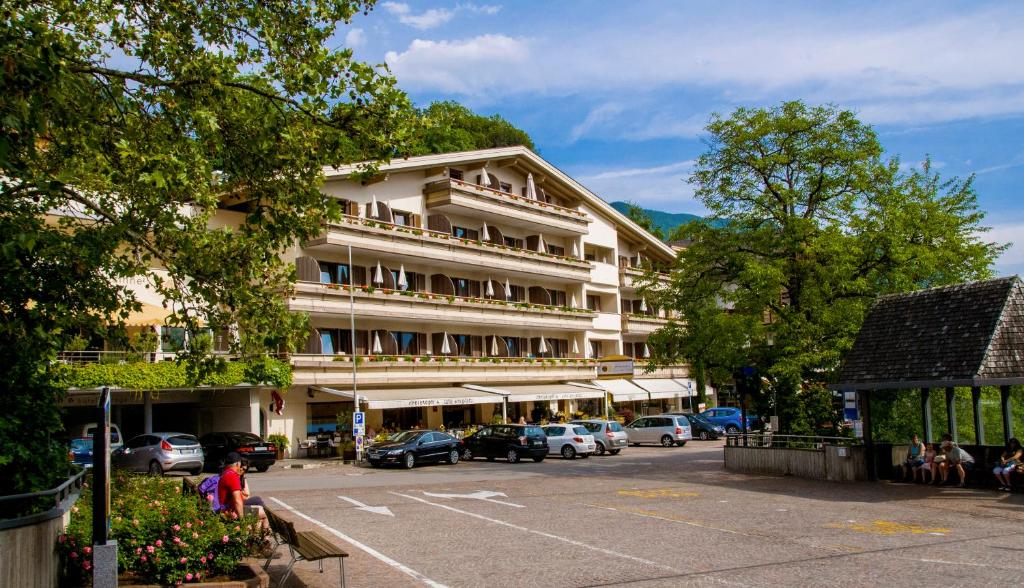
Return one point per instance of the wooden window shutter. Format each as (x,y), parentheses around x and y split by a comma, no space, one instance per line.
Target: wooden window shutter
(627,306)
(476,345)
(313,343)
(421,343)
(474,289)
(417,220)
(421,286)
(352,208)
(362,346)
(358,275)
(539,295)
(534,346)
(524,346)
(307,269)
(532,241)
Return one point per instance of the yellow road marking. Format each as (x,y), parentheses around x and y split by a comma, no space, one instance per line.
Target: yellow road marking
(880,527)
(657,493)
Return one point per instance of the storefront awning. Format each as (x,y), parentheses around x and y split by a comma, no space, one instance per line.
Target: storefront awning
(665,387)
(623,390)
(417,397)
(544,392)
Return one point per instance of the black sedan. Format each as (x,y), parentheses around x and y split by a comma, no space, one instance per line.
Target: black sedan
(512,442)
(409,448)
(216,446)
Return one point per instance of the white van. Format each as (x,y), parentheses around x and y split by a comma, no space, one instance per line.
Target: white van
(86,430)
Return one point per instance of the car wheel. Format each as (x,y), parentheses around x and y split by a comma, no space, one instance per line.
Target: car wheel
(155,469)
(703,435)
(195,472)
(467,454)
(732,429)
(409,461)
(584,455)
(569,452)
(262,468)
(512,456)
(599,449)
(666,441)
(453,456)
(681,443)
(614,451)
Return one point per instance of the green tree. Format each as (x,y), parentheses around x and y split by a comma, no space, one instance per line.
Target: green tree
(638,215)
(819,223)
(135,122)
(446,127)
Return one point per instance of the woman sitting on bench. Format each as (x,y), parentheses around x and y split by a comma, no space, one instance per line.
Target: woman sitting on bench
(1008,462)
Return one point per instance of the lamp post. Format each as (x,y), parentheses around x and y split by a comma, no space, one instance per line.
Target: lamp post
(352,334)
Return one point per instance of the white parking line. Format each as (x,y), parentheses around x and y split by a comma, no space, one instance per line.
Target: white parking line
(397,565)
(542,534)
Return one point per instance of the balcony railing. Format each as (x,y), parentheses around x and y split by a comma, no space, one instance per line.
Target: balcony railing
(642,323)
(84,357)
(434,244)
(484,310)
(628,276)
(571,220)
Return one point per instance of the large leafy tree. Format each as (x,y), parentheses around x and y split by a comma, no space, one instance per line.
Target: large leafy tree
(813,224)
(124,127)
(448,127)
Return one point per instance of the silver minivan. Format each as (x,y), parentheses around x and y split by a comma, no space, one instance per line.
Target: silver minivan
(668,430)
(608,435)
(157,453)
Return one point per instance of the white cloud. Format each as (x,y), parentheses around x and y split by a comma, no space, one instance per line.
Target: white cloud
(488,9)
(355,38)
(596,117)
(1012,260)
(662,187)
(427,19)
(463,67)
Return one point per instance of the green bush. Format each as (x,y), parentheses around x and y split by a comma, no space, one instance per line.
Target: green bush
(163,537)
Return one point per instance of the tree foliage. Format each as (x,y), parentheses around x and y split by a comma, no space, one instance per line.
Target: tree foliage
(819,223)
(124,127)
(638,215)
(447,127)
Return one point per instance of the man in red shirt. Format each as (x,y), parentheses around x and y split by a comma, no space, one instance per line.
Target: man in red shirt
(229,487)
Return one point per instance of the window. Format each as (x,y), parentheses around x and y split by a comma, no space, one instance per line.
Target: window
(595,349)
(402,217)
(505,187)
(555,249)
(455,174)
(513,242)
(594,302)
(463,342)
(333,273)
(173,338)
(557,297)
(408,343)
(518,293)
(513,346)
(590,256)
(461,287)
(413,280)
(464,233)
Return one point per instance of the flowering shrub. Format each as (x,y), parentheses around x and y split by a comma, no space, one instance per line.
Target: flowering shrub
(163,537)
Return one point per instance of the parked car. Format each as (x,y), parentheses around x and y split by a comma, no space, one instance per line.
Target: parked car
(409,448)
(668,430)
(80,451)
(157,453)
(701,427)
(86,430)
(216,446)
(513,442)
(729,418)
(608,435)
(569,440)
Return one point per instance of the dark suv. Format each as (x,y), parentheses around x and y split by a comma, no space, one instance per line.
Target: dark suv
(513,442)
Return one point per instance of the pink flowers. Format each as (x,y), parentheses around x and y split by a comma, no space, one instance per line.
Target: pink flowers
(177,540)
(74,554)
(86,565)
(62,538)
(150,549)
(188,525)
(202,560)
(138,550)
(176,527)
(188,577)
(87,550)
(159,543)
(143,558)
(183,560)
(225,539)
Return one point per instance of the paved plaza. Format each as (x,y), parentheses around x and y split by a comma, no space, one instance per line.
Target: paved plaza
(647,517)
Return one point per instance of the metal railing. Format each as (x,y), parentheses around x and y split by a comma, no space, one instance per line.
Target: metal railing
(80,357)
(33,503)
(776,441)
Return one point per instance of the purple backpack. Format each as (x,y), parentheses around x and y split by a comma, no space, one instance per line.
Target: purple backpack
(208,488)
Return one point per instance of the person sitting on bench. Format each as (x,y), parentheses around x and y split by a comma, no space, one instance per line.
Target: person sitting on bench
(1008,461)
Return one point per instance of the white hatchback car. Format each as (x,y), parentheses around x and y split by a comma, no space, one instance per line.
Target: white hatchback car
(569,440)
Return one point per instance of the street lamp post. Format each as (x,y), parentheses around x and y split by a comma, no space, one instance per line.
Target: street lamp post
(352,334)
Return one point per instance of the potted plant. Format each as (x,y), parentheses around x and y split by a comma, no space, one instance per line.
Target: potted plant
(280,442)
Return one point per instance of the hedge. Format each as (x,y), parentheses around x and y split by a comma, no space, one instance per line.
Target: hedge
(171,374)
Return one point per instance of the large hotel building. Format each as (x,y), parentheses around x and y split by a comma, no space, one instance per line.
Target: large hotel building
(486,282)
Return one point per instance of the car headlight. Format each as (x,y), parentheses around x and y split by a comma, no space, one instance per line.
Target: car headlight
(719,430)
(395,452)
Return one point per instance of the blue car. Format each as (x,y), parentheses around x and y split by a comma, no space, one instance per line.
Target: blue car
(80,451)
(729,418)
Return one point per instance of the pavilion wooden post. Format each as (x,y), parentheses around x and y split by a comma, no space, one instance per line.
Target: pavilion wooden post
(1004,403)
(979,426)
(869,443)
(926,414)
(951,412)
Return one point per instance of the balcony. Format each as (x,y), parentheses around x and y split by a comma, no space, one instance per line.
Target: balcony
(398,243)
(406,306)
(465,199)
(641,324)
(629,276)
(380,370)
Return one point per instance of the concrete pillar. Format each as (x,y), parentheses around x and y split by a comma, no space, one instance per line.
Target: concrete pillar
(951,412)
(1005,404)
(435,417)
(926,414)
(147,412)
(979,426)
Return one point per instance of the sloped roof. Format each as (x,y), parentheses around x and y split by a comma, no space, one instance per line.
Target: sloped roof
(964,335)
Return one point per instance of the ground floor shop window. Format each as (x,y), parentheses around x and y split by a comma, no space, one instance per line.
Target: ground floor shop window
(457,417)
(402,419)
(322,417)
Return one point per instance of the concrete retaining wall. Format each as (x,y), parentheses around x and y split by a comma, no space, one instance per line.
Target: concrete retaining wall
(27,555)
(837,464)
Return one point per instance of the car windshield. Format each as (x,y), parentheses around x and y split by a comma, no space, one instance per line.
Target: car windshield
(404,436)
(580,430)
(592,427)
(180,440)
(682,421)
(533,431)
(81,444)
(699,419)
(614,427)
(245,438)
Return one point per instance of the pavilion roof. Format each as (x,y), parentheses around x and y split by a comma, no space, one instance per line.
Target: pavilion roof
(964,335)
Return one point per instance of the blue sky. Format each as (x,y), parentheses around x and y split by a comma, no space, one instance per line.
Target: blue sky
(617,93)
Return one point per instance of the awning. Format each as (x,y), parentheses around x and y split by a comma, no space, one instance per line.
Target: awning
(664,387)
(623,390)
(148,316)
(417,397)
(543,392)
(346,394)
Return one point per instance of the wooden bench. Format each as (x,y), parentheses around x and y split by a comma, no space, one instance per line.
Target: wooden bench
(303,546)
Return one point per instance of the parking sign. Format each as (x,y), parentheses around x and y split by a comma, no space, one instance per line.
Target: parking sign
(359,423)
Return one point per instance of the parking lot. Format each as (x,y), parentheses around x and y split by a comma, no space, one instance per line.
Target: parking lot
(650,516)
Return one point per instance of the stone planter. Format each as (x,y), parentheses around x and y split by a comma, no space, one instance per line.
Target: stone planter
(248,574)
